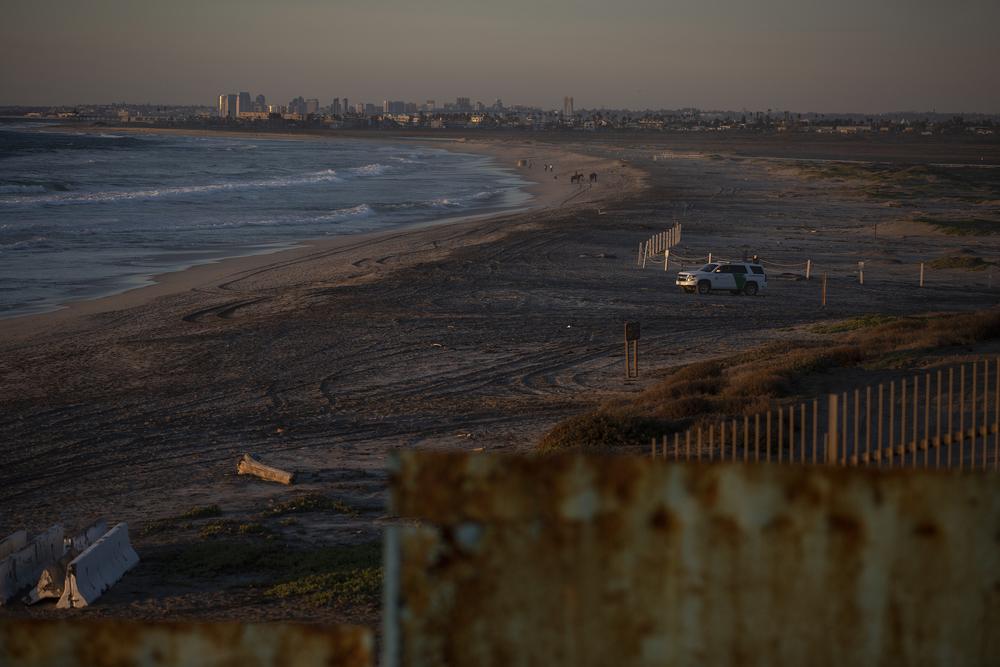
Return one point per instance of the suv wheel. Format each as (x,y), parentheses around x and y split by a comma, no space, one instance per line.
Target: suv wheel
(750,288)
(704,287)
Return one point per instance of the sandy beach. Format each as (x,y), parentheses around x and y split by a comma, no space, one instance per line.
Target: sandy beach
(468,334)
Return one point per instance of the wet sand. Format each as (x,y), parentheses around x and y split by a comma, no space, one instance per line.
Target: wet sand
(473,334)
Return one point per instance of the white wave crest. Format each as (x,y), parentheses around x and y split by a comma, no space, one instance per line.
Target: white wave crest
(359,211)
(324,176)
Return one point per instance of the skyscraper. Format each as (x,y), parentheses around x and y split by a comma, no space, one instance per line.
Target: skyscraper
(312,106)
(260,104)
(463,103)
(227,106)
(335,107)
(567,106)
(244,104)
(347,106)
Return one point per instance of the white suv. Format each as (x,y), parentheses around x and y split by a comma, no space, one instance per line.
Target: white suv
(737,277)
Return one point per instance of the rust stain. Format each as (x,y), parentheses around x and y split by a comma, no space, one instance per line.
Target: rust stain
(597,561)
(114,643)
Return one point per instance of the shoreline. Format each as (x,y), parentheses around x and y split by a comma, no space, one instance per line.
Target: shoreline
(544,194)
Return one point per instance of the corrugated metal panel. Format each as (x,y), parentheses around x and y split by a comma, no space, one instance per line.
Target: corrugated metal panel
(109,643)
(618,561)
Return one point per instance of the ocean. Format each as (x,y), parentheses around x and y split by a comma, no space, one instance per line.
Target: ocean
(84,215)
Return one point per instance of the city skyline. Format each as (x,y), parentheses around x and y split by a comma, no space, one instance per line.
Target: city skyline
(848,57)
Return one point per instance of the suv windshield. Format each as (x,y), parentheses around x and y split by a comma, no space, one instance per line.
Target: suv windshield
(708,268)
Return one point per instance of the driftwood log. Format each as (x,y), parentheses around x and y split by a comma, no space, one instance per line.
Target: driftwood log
(248,465)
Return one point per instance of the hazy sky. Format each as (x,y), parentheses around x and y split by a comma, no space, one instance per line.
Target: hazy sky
(844,55)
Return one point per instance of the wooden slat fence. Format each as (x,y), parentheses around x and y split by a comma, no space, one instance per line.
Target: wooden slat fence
(658,246)
(941,418)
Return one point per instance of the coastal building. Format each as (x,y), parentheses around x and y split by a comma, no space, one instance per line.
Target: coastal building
(347,106)
(430,105)
(567,106)
(463,104)
(244,103)
(312,106)
(260,104)
(228,106)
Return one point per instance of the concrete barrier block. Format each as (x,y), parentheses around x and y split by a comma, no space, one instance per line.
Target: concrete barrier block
(52,582)
(13,542)
(90,534)
(98,568)
(22,568)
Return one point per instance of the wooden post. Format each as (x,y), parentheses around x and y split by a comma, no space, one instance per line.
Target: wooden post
(926,442)
(961,417)
(815,430)
(824,289)
(645,254)
(937,420)
(734,440)
(666,259)
(986,409)
(699,444)
(802,433)
(638,259)
(892,420)
(709,258)
(857,429)
(951,397)
(809,265)
(677,446)
(861,273)
(902,423)
(664,446)
(652,449)
(842,447)
(711,440)
(781,434)
(868,424)
(746,437)
(756,438)
(996,418)
(916,425)
(722,441)
(881,415)
(921,274)
(678,232)
(832,428)
(767,448)
(687,445)
(974,415)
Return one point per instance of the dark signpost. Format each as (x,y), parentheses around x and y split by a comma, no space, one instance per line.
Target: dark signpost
(631,349)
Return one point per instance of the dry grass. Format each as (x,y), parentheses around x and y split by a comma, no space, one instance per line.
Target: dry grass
(748,383)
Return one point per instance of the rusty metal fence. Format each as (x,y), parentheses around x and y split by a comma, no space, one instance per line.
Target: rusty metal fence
(943,418)
(594,561)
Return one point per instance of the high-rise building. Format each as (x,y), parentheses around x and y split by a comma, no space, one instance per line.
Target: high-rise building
(244,104)
(411,107)
(359,108)
(347,106)
(228,106)
(260,104)
(371,110)
(430,105)
(335,107)
(312,106)
(567,106)
(462,103)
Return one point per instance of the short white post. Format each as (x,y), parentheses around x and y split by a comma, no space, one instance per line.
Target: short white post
(809,266)
(666,259)
(678,232)
(921,274)
(709,258)
(861,273)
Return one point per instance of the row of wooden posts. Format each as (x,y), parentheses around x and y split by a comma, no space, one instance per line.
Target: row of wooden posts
(941,418)
(658,243)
